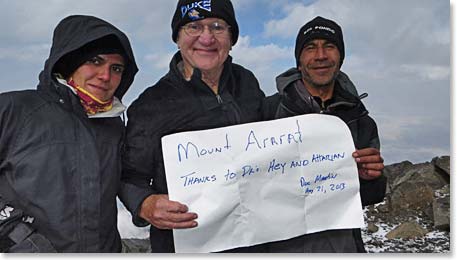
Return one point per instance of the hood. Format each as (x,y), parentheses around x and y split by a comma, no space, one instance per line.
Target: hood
(290,76)
(286,79)
(74,32)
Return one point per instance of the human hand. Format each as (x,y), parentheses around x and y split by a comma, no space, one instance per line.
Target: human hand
(369,162)
(166,214)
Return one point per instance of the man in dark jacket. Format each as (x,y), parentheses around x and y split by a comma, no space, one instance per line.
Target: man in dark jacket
(60,163)
(318,86)
(202,90)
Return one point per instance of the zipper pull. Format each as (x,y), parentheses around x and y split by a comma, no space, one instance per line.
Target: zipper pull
(364,95)
(219,99)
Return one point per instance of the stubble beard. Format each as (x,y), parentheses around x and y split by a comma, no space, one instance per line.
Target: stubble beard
(318,85)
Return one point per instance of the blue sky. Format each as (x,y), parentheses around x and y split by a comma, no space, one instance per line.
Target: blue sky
(396,51)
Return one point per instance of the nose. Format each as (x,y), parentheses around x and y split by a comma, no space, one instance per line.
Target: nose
(104,73)
(207,37)
(321,53)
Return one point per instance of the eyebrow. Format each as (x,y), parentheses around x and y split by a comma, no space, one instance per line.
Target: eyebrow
(325,42)
(104,60)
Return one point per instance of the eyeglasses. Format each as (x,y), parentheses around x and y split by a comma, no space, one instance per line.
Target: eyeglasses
(196,29)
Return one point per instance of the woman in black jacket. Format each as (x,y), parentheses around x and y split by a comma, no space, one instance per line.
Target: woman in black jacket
(60,145)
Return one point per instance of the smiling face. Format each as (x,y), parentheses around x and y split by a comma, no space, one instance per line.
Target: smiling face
(208,51)
(319,64)
(100,75)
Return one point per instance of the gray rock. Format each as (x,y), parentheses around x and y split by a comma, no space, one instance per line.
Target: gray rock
(443,163)
(441,208)
(407,230)
(135,246)
(414,189)
(393,171)
(372,228)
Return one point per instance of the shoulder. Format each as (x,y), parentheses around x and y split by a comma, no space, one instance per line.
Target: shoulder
(158,103)
(273,100)
(246,83)
(153,94)
(270,106)
(17,108)
(21,101)
(241,72)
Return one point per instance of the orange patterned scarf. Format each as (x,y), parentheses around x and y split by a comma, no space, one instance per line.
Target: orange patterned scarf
(91,104)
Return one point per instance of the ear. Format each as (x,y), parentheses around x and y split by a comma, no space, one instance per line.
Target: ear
(177,42)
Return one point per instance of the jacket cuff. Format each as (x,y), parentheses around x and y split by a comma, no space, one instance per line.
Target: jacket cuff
(373,191)
(132,197)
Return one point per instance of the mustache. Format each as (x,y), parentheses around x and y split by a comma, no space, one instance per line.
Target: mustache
(323,64)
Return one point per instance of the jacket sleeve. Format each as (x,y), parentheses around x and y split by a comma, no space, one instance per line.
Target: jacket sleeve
(15,228)
(138,163)
(373,191)
(9,216)
(7,118)
(132,196)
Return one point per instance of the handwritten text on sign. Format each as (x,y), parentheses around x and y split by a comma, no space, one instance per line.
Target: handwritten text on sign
(262,182)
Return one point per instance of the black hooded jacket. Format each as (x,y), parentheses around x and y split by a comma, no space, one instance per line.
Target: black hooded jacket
(56,164)
(345,104)
(292,99)
(175,105)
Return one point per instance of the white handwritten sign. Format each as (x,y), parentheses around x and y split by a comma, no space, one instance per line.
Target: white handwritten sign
(263,182)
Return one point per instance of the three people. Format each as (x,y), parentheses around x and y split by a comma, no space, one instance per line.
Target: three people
(60,165)
(317,85)
(60,162)
(202,90)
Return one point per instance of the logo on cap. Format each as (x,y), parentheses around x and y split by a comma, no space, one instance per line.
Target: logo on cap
(190,8)
(194,15)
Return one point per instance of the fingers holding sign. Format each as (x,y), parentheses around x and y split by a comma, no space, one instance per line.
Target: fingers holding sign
(369,162)
(166,214)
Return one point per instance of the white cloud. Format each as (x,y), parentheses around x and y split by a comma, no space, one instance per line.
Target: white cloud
(259,56)
(288,26)
(427,72)
(160,60)
(413,31)
(29,53)
(265,61)
(298,13)
(416,138)
(394,129)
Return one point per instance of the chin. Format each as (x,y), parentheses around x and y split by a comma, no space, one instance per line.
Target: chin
(208,66)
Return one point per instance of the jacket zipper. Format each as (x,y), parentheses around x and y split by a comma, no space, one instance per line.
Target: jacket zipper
(323,109)
(219,99)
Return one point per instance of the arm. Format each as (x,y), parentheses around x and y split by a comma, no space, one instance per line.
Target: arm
(143,187)
(17,234)
(370,164)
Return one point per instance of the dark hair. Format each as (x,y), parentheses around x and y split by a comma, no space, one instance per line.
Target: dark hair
(72,61)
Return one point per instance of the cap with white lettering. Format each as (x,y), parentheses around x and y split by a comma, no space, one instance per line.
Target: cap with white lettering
(193,10)
(319,28)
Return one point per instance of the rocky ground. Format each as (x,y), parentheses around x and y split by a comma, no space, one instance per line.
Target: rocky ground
(429,240)
(415,215)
